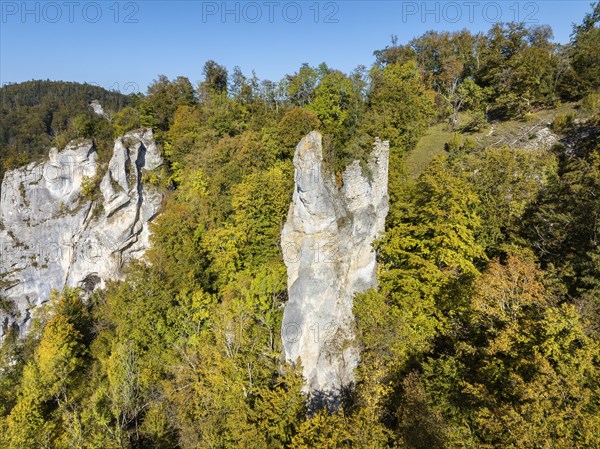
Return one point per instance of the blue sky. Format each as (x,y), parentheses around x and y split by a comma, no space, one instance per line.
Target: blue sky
(127,44)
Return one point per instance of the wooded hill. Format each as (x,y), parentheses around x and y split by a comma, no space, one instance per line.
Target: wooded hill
(484,331)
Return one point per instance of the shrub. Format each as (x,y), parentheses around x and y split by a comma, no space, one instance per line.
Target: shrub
(591,103)
(563,122)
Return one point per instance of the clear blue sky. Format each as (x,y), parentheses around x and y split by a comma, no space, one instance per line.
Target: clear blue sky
(125,45)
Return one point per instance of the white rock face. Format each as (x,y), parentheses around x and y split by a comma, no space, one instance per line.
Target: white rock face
(544,139)
(51,236)
(327,246)
(97,107)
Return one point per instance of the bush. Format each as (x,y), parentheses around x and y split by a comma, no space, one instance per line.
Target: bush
(591,103)
(89,187)
(295,125)
(455,143)
(477,122)
(563,122)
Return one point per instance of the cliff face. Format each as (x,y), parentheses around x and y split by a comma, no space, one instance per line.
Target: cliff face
(327,247)
(51,236)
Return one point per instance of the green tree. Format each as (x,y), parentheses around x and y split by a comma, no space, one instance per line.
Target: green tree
(524,371)
(293,126)
(215,78)
(584,50)
(428,260)
(162,100)
(45,387)
(399,106)
(301,85)
(128,119)
(334,99)
(508,182)
(399,110)
(520,65)
(562,226)
(467,96)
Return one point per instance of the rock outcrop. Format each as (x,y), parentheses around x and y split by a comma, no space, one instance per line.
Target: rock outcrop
(327,246)
(97,108)
(55,232)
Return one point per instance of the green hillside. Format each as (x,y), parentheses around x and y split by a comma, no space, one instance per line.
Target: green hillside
(484,330)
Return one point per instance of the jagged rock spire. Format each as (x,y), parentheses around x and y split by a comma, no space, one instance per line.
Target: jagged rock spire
(52,236)
(327,247)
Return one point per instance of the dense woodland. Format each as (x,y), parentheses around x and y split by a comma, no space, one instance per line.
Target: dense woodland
(484,331)
(37,114)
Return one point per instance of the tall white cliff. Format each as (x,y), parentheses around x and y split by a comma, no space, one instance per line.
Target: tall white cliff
(52,236)
(327,246)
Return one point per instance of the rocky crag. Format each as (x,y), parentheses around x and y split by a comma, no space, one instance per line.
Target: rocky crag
(327,246)
(55,232)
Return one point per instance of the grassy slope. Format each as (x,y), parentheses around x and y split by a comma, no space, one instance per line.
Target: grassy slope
(509,133)
(428,147)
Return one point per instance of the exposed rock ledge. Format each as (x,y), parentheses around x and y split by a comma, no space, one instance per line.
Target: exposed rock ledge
(327,246)
(51,236)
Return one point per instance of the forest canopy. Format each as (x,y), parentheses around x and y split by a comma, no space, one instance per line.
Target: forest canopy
(484,331)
